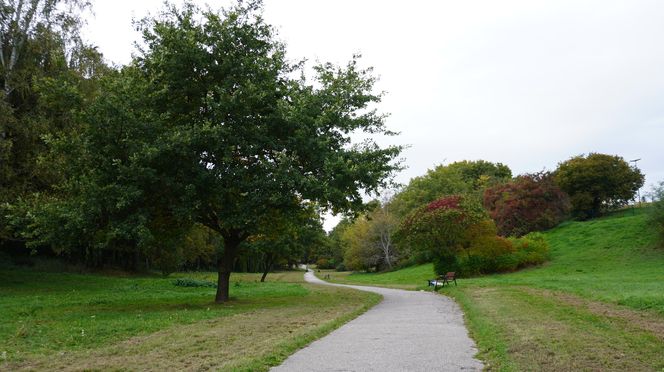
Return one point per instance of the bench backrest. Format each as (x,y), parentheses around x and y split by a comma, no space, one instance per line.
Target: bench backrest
(450,275)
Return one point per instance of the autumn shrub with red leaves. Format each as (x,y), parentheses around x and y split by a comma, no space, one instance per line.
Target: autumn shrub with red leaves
(450,202)
(532,202)
(457,235)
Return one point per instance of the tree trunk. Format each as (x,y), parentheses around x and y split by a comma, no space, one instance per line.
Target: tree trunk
(223,284)
(225,265)
(597,207)
(386,247)
(267,267)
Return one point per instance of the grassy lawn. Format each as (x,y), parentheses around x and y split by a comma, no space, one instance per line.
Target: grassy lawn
(414,277)
(597,305)
(91,322)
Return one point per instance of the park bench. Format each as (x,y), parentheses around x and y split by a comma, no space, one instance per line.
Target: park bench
(442,280)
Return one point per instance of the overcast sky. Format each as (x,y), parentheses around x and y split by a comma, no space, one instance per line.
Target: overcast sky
(526,83)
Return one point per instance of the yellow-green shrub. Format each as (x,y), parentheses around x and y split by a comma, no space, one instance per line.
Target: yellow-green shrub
(531,249)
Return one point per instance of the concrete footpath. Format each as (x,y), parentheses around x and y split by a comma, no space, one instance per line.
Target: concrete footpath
(407,331)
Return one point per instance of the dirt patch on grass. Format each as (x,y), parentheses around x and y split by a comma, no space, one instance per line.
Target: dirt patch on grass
(247,341)
(643,320)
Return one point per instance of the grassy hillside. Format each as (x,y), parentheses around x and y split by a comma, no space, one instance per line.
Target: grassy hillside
(613,259)
(597,305)
(93,322)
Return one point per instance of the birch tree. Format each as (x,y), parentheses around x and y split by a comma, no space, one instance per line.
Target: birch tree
(22,19)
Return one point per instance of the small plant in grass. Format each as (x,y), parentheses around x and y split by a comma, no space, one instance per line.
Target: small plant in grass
(187,282)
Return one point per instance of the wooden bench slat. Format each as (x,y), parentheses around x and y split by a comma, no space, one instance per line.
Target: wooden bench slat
(447,278)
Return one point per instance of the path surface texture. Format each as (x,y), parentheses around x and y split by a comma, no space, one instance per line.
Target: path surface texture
(407,331)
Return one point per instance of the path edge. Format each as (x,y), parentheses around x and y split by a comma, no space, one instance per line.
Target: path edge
(284,350)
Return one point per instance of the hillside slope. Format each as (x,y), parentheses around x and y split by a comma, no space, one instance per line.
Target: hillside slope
(612,259)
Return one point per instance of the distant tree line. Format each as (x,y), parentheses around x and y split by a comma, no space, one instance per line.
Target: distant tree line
(475,217)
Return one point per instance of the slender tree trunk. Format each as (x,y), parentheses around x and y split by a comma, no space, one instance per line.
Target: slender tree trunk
(268,266)
(225,265)
(386,247)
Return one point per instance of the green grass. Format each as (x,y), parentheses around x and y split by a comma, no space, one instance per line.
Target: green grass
(414,277)
(613,259)
(597,305)
(50,317)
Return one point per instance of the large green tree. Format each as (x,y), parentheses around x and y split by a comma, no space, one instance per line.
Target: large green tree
(212,125)
(597,183)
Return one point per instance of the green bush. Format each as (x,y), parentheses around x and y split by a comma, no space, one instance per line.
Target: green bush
(531,249)
(187,282)
(496,254)
(487,254)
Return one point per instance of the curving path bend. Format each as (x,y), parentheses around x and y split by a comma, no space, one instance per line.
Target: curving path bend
(407,331)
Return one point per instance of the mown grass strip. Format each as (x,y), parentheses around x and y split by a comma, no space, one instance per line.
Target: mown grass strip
(490,338)
(531,330)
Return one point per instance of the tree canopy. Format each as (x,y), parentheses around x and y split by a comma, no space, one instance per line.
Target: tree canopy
(48,76)
(461,177)
(597,183)
(208,125)
(531,202)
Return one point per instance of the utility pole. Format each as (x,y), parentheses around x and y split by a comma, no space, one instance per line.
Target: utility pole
(638,192)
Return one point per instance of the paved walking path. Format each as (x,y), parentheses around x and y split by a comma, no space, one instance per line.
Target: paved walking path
(407,331)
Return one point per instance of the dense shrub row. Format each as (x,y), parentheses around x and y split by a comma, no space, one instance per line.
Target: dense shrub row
(498,254)
(473,218)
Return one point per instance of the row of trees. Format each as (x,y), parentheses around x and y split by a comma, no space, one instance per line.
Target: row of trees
(208,148)
(424,217)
